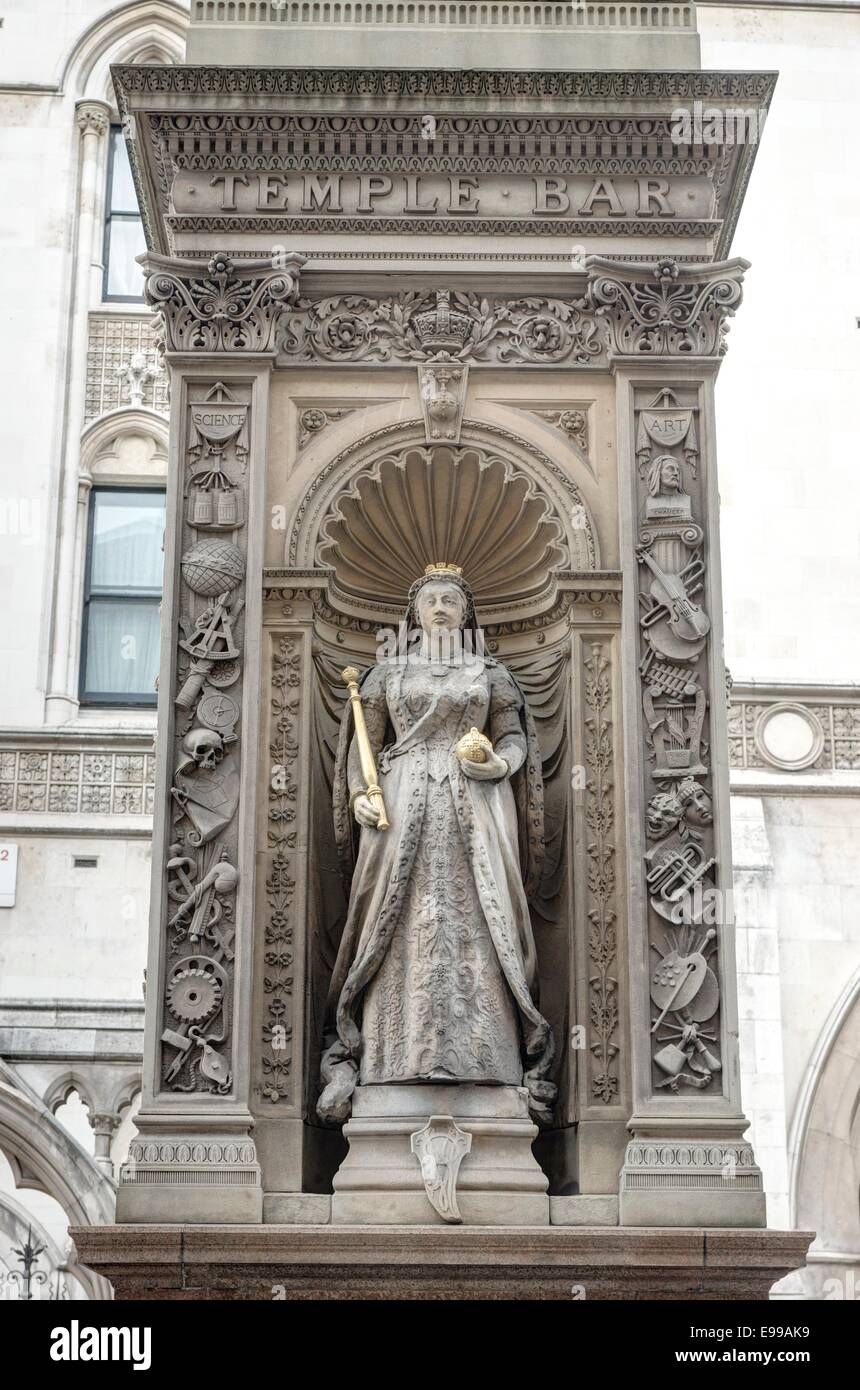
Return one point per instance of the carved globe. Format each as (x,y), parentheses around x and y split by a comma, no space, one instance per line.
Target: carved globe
(213,567)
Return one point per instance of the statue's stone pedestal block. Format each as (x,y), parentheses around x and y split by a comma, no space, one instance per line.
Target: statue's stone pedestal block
(499,1183)
(191,1263)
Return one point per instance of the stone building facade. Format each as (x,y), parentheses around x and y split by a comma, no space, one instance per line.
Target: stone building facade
(354,379)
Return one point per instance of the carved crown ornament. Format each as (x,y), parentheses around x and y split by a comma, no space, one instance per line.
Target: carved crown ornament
(627,310)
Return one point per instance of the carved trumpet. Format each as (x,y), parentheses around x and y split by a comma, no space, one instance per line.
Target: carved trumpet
(365,752)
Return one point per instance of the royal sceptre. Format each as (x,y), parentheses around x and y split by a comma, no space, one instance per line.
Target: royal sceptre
(365,752)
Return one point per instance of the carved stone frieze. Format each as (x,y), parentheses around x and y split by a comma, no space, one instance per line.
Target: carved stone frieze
(443,83)
(499,144)
(275,1082)
(406,328)
(678,310)
(688,1164)
(77,779)
(202,865)
(789,729)
(675,310)
(219,307)
(675,632)
(191,1158)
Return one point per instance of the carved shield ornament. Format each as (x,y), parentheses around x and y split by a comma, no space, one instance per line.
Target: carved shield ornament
(440,1148)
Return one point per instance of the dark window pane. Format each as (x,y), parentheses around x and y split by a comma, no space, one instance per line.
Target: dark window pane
(128,529)
(125,242)
(122,648)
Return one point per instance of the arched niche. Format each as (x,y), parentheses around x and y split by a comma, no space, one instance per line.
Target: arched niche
(363,517)
(379,510)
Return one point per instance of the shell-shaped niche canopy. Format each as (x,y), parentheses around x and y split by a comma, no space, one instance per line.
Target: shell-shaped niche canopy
(467,507)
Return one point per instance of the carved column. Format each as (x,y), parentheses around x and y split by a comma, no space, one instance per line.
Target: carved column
(93,122)
(194,1158)
(687,1162)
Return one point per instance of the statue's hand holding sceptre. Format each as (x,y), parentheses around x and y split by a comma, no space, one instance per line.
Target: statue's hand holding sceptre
(365,812)
(369,807)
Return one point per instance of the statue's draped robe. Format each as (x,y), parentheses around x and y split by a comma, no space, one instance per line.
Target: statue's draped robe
(436,977)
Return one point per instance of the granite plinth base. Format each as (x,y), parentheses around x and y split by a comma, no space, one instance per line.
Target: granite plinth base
(189,1263)
(380,1182)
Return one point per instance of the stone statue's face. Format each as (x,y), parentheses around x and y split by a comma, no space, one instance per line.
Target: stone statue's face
(440,607)
(670,476)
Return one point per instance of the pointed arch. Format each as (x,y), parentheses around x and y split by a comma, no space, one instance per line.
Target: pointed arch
(143,31)
(45,1157)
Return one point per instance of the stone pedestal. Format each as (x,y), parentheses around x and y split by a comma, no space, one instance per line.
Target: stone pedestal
(306,1263)
(499,1182)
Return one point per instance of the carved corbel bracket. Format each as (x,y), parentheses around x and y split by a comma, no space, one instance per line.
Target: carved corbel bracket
(216,306)
(442,389)
(676,311)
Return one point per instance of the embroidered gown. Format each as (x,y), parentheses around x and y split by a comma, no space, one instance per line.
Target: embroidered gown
(436,969)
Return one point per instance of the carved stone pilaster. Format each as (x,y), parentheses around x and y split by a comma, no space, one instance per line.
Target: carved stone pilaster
(195,1156)
(687,1163)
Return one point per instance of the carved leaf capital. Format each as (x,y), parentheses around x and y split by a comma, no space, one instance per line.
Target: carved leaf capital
(676,310)
(219,307)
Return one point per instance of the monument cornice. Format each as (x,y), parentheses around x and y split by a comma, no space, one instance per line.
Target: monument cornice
(235,156)
(444,83)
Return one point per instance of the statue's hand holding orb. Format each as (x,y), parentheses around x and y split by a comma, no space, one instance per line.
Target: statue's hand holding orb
(478,758)
(492,769)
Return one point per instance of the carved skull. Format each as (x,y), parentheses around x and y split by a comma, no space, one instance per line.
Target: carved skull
(205,746)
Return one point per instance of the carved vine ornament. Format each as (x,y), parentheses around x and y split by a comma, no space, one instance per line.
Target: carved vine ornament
(222,307)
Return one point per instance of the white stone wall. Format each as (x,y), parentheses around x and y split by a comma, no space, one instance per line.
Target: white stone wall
(787,394)
(76,933)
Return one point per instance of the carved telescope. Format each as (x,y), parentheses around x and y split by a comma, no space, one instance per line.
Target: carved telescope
(365,752)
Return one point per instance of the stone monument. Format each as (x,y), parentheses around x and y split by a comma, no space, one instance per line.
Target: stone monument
(441,950)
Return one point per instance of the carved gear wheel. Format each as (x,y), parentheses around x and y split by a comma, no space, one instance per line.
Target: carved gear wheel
(193,994)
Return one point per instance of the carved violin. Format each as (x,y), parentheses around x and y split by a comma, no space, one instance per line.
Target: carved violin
(688,620)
